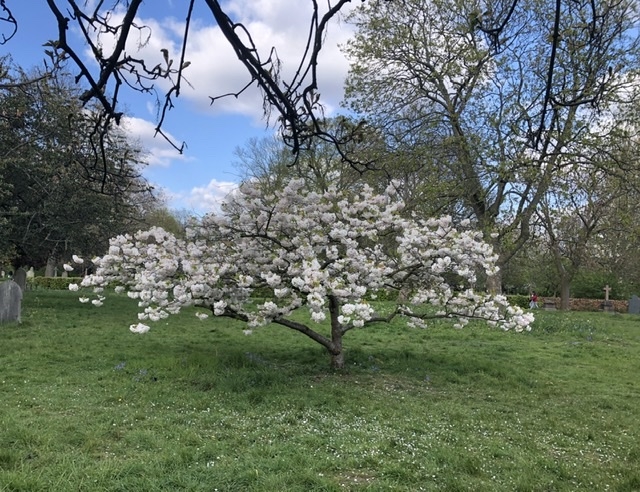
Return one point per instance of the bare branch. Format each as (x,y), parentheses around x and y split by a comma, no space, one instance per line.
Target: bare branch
(6,17)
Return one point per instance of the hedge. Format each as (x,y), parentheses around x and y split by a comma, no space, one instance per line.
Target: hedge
(52,283)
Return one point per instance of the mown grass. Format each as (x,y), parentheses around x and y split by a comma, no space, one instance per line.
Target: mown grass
(86,405)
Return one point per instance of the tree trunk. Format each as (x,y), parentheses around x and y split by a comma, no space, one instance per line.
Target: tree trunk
(565,294)
(337,356)
(494,283)
(337,361)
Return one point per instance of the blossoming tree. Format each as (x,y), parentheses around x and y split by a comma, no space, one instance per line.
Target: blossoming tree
(329,253)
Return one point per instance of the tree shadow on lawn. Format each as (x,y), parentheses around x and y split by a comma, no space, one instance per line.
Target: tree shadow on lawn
(215,352)
(222,357)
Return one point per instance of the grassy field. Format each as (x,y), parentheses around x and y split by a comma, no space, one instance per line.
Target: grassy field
(87,406)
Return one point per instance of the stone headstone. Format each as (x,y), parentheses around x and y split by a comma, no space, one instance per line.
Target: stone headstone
(20,278)
(634,305)
(10,302)
(31,273)
(65,274)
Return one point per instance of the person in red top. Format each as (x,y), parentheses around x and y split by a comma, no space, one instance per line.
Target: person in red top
(533,302)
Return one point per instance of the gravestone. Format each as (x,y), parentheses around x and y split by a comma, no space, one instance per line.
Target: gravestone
(65,274)
(607,305)
(20,278)
(31,273)
(634,305)
(10,302)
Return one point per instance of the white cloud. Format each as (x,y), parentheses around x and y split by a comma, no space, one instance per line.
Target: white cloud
(159,152)
(215,69)
(208,198)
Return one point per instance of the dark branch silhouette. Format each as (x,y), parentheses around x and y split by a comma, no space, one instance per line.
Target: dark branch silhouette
(294,104)
(7,18)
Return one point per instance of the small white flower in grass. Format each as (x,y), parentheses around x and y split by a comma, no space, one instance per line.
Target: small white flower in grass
(139,328)
(247,332)
(202,316)
(83,300)
(67,267)
(77,259)
(73,287)
(97,302)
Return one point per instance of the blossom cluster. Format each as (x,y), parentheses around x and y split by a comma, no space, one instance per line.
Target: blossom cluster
(326,252)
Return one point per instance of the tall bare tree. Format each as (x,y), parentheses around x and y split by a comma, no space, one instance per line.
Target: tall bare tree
(500,108)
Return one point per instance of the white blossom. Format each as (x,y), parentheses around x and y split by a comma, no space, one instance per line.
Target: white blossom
(139,328)
(325,252)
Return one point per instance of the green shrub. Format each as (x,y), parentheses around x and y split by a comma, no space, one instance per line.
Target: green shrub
(53,283)
(519,300)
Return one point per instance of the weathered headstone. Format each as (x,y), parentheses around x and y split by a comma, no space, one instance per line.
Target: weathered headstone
(20,278)
(31,273)
(10,302)
(634,305)
(65,274)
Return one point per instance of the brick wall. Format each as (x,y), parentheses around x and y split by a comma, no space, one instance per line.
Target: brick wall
(587,304)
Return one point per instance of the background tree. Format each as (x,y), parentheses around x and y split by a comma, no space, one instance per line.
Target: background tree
(58,196)
(495,109)
(571,216)
(593,200)
(269,161)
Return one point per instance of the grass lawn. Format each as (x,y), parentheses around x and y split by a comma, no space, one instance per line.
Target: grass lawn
(87,406)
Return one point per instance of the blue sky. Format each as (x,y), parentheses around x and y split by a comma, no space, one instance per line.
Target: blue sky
(205,172)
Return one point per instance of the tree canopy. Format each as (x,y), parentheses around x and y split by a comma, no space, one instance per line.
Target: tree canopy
(331,253)
(56,194)
(500,116)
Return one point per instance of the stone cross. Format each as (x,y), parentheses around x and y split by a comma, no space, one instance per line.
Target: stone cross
(10,302)
(606,289)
